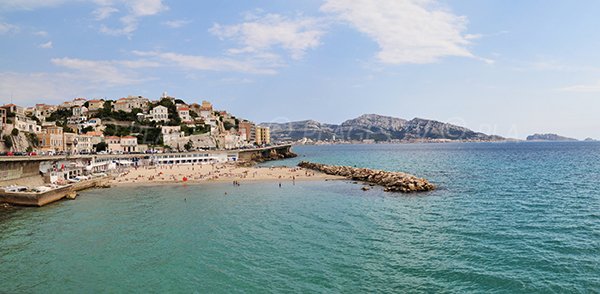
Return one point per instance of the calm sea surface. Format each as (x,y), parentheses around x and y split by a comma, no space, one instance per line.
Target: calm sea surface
(507,217)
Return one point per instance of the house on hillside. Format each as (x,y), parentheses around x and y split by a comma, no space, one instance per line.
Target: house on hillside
(159,114)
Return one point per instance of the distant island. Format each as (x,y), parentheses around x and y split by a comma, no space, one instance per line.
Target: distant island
(590,140)
(370,128)
(548,137)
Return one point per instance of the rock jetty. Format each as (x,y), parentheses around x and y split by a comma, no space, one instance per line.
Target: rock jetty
(391,181)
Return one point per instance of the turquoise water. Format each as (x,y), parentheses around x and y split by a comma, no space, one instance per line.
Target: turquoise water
(507,217)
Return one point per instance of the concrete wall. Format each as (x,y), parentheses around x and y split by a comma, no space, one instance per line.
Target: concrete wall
(13,172)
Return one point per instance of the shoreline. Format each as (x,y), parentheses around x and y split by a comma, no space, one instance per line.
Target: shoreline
(214,173)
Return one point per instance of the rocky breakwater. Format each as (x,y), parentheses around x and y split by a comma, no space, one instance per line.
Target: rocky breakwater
(391,181)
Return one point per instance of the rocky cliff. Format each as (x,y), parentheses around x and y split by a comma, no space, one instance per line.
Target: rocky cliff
(376,127)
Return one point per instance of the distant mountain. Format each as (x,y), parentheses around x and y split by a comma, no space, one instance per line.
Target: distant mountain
(590,140)
(548,137)
(376,127)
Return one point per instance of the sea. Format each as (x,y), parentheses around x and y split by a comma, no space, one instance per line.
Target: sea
(519,217)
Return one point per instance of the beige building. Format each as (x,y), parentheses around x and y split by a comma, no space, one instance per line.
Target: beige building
(95,105)
(126,144)
(43,111)
(52,139)
(262,135)
(131,102)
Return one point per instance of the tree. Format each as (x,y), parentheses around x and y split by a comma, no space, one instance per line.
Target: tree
(189,145)
(102,146)
(14,132)
(7,141)
(87,129)
(33,139)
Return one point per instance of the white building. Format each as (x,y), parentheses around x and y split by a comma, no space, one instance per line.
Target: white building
(25,124)
(79,111)
(184,113)
(159,114)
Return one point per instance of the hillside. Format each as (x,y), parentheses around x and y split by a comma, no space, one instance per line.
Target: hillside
(376,127)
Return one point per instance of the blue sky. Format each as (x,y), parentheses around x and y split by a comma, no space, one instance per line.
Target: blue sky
(504,67)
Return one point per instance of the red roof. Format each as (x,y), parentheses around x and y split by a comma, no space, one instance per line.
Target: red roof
(128,137)
(183,108)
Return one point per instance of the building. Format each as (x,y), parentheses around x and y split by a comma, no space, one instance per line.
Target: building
(184,113)
(206,109)
(79,111)
(43,111)
(70,142)
(262,136)
(248,129)
(84,144)
(171,134)
(130,103)
(95,105)
(2,118)
(78,102)
(159,114)
(26,124)
(126,144)
(52,139)
(15,109)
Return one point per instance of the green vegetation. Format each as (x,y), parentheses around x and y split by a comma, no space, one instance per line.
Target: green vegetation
(7,141)
(87,129)
(150,136)
(228,125)
(102,146)
(33,139)
(189,145)
(14,132)
(197,130)
(114,130)
(60,116)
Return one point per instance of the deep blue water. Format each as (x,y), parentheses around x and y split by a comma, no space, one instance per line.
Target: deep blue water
(507,217)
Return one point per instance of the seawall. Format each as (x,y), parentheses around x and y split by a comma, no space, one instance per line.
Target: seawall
(391,181)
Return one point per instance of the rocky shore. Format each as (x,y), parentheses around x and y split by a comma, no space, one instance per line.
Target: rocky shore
(391,181)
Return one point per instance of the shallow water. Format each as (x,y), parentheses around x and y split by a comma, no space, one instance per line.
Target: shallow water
(507,217)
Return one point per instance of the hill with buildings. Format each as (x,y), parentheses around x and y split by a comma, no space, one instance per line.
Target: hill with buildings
(373,127)
(125,125)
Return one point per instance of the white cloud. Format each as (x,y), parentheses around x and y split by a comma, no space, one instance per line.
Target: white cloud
(41,33)
(47,45)
(110,73)
(407,31)
(6,28)
(104,12)
(262,33)
(265,65)
(174,24)
(77,77)
(136,10)
(583,88)
(29,4)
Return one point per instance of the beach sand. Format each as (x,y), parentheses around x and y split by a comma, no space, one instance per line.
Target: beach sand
(220,172)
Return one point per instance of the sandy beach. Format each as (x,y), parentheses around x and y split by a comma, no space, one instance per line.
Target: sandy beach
(219,172)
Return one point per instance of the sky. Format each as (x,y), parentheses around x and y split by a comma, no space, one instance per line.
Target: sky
(505,67)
